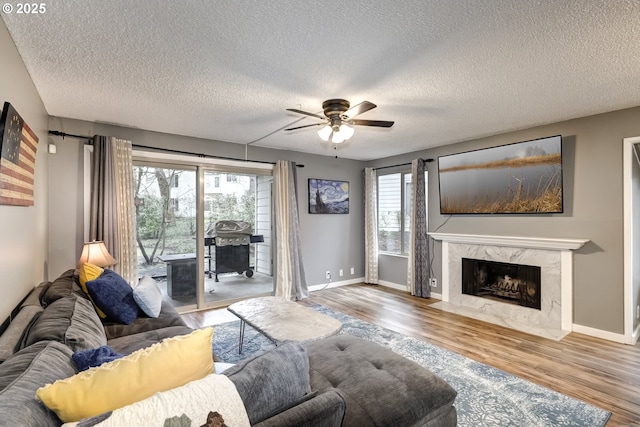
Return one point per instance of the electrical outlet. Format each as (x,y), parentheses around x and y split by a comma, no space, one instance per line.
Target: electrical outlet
(341,273)
(433,282)
(327,275)
(353,271)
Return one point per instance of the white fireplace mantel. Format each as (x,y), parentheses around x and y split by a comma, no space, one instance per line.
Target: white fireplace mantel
(547,243)
(556,317)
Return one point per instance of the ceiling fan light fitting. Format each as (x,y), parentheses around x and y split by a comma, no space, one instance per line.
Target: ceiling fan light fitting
(337,138)
(325,132)
(346,131)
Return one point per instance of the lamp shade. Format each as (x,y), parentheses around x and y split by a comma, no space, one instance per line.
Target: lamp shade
(96,253)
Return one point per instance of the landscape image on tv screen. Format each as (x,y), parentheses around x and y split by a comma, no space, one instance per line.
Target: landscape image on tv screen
(524,177)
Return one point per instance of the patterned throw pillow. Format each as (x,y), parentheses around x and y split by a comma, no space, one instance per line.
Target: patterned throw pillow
(209,402)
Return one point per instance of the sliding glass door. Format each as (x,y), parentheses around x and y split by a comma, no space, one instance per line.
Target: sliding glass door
(165,200)
(204,232)
(237,224)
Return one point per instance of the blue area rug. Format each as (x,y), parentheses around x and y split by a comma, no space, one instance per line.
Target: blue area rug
(486,396)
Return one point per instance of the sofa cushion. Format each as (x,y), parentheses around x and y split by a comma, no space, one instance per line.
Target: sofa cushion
(148,296)
(12,336)
(324,410)
(163,366)
(273,381)
(70,320)
(35,296)
(37,365)
(13,367)
(361,369)
(113,295)
(65,285)
(188,405)
(130,343)
(168,317)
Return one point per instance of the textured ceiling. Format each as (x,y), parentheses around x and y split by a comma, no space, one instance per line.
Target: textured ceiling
(445,71)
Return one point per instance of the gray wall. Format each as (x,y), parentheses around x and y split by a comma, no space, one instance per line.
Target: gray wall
(329,242)
(23,233)
(592,161)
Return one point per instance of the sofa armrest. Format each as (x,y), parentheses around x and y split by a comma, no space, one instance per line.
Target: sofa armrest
(324,410)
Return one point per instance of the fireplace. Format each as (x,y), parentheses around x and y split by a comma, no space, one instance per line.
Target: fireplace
(510,283)
(554,256)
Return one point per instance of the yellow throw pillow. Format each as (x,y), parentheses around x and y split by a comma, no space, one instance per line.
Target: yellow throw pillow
(90,272)
(163,366)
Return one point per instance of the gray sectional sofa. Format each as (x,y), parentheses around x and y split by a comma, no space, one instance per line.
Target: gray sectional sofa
(337,381)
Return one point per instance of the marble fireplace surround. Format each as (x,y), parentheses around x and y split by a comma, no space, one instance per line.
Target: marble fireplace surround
(555,257)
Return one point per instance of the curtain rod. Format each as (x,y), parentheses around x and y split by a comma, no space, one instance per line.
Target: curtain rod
(402,164)
(169,150)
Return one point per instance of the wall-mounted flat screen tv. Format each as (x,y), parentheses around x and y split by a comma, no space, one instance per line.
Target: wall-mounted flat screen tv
(524,177)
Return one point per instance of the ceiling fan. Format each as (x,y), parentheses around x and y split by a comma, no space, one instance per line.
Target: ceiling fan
(338,115)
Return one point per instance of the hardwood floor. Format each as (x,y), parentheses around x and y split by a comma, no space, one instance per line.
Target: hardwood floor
(600,372)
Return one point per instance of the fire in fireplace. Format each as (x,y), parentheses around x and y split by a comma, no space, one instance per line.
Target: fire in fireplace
(511,283)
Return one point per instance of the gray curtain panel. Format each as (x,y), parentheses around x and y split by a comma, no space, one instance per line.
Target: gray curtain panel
(112,215)
(420,241)
(103,200)
(299,289)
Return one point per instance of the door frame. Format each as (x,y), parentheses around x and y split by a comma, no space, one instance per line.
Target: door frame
(630,251)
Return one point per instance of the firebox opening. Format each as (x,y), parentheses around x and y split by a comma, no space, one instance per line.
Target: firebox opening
(511,283)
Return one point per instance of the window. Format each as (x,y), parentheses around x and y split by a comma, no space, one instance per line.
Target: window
(174,205)
(394,212)
(216,181)
(174,181)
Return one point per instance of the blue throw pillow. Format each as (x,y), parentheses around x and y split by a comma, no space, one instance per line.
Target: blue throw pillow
(113,295)
(86,359)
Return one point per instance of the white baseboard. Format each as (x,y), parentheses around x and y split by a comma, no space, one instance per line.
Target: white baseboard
(321,286)
(599,333)
(404,288)
(393,285)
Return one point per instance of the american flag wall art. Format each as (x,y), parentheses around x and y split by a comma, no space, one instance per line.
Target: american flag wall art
(18,146)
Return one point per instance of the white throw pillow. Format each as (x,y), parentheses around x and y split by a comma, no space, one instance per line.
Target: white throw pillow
(148,296)
(193,401)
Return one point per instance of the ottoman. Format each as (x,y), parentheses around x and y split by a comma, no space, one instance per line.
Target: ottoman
(380,387)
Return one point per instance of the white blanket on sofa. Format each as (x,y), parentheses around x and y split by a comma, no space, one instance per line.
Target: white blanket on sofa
(195,400)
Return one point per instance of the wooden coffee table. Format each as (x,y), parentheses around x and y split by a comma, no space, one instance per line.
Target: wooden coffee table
(280,320)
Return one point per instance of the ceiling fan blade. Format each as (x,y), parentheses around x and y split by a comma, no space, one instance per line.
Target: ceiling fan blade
(305,126)
(363,107)
(378,123)
(293,110)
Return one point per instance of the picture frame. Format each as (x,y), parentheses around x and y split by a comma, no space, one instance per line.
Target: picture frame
(519,178)
(328,196)
(18,146)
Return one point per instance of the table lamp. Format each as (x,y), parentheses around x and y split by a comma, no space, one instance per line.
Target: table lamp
(96,253)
